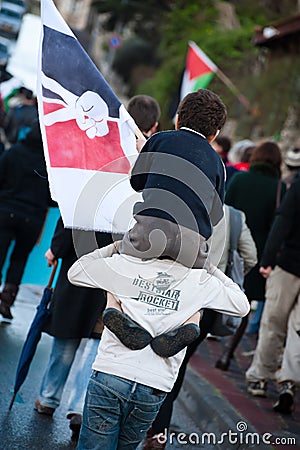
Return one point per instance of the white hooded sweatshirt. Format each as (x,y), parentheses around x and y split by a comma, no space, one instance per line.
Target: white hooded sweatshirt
(158,294)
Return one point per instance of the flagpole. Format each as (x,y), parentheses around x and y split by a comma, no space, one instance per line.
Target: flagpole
(254,111)
(138,133)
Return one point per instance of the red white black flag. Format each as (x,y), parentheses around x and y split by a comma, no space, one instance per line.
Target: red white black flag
(88,135)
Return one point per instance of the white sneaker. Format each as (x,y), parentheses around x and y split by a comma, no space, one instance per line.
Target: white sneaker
(257,388)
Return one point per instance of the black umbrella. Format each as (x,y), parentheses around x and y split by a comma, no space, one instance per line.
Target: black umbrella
(33,336)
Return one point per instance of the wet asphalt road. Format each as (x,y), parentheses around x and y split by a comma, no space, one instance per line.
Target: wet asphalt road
(22,428)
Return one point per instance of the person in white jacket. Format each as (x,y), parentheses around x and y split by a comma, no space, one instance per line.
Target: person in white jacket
(127,387)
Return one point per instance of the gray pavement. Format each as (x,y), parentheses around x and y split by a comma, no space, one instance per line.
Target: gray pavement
(22,428)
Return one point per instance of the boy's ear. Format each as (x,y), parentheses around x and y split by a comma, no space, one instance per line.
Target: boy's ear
(154,128)
(211,138)
(176,122)
(151,131)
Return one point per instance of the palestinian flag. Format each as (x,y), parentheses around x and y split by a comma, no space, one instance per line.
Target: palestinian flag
(199,71)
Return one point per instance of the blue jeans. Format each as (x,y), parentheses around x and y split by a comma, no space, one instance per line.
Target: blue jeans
(62,357)
(117,413)
(80,374)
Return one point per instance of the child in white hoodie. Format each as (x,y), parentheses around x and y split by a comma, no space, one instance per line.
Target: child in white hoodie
(127,387)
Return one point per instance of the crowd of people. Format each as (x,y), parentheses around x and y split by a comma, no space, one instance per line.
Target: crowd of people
(271,205)
(118,340)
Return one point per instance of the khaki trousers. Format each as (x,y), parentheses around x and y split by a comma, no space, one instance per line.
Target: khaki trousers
(278,330)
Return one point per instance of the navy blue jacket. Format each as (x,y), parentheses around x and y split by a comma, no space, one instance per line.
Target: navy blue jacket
(182,179)
(283,243)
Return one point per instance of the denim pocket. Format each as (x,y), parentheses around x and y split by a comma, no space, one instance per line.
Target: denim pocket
(145,415)
(141,418)
(102,408)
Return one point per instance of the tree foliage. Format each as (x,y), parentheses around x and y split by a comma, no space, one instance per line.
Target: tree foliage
(162,29)
(231,50)
(143,17)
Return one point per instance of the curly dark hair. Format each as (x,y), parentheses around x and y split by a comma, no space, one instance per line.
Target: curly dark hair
(202,111)
(269,153)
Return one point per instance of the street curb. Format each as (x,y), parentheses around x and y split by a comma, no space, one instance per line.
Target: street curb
(212,413)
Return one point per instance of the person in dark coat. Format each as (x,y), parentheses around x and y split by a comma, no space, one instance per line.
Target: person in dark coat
(69,300)
(24,200)
(257,193)
(75,314)
(280,325)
